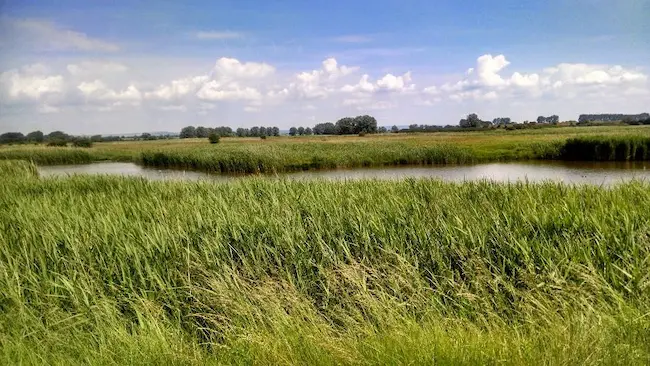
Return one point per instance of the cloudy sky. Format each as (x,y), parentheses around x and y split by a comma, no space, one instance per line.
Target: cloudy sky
(135,66)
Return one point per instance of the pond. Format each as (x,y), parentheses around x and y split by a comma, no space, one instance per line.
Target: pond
(598,173)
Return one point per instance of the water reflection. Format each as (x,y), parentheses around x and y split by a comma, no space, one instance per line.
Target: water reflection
(599,173)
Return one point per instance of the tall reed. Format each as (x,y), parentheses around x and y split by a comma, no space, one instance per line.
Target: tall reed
(112,270)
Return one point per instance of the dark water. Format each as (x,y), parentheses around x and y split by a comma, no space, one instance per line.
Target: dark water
(599,173)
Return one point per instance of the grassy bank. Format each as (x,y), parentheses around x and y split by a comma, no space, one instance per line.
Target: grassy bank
(105,270)
(281,154)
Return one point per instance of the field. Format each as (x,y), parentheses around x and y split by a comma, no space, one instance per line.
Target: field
(113,270)
(279,154)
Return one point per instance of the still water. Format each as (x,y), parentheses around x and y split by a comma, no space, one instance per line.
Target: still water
(598,173)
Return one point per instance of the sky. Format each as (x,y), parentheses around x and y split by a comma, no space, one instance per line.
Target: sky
(104,67)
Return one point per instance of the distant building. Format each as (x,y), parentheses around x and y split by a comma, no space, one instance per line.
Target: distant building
(612,117)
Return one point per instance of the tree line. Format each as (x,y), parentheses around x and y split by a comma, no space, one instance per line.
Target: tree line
(224,131)
(344,126)
(60,138)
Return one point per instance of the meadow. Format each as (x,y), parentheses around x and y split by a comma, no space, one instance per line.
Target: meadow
(114,270)
(282,154)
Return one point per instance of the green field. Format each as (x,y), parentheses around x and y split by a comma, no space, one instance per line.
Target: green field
(113,270)
(281,154)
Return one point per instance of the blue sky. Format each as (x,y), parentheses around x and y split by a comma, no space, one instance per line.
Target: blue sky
(133,62)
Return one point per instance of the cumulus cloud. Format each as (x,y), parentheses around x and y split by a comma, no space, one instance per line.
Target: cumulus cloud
(236,87)
(29,83)
(486,81)
(388,82)
(98,91)
(319,83)
(43,34)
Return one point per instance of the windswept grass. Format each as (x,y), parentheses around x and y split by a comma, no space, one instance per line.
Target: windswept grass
(17,169)
(107,270)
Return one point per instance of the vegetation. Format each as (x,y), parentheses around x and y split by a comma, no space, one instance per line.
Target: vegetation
(110,270)
(283,153)
(603,148)
(191,132)
(344,126)
(214,138)
(82,143)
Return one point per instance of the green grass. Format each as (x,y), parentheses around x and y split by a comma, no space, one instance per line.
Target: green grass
(111,270)
(282,154)
(607,148)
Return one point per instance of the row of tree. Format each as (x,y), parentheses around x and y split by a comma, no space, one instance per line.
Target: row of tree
(473,121)
(344,126)
(224,131)
(33,137)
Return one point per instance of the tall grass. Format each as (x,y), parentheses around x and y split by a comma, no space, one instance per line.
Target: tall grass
(607,148)
(48,155)
(272,159)
(17,169)
(259,271)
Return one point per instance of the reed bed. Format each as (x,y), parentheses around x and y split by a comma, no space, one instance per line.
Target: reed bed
(111,270)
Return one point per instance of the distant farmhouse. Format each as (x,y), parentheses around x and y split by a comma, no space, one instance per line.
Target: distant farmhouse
(613,117)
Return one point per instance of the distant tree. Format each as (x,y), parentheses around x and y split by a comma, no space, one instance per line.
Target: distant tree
(308,131)
(214,138)
(96,138)
(262,131)
(188,132)
(394,129)
(382,129)
(365,124)
(414,127)
(472,121)
(301,131)
(293,131)
(82,142)
(36,136)
(276,131)
(327,128)
(241,132)
(58,135)
(11,138)
(255,131)
(57,142)
(201,132)
(345,126)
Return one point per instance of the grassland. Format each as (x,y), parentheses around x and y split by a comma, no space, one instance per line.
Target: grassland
(279,154)
(113,270)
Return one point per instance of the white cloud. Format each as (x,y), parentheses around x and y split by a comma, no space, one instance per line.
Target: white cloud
(98,91)
(319,83)
(30,83)
(486,82)
(230,68)
(45,34)
(214,91)
(388,82)
(208,35)
(177,88)
(74,89)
